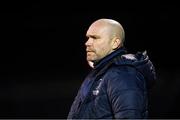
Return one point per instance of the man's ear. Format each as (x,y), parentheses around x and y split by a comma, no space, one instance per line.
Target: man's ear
(116,43)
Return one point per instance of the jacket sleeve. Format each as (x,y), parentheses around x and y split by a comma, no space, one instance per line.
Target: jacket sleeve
(126,92)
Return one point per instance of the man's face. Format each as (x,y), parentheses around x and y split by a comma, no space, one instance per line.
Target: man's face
(98,44)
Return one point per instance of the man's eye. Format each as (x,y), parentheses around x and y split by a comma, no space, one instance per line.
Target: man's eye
(94,37)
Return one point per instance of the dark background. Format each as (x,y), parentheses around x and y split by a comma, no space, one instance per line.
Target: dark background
(43,60)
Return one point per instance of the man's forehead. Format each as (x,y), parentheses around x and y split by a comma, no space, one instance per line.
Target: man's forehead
(92,33)
(96,28)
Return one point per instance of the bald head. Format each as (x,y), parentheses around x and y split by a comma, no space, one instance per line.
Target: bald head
(112,27)
(104,37)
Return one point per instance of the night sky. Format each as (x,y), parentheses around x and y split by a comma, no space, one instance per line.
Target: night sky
(43,60)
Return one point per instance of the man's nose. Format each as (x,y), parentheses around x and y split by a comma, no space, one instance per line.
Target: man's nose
(89,42)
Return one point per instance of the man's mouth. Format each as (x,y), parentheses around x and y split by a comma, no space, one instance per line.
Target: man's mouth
(88,50)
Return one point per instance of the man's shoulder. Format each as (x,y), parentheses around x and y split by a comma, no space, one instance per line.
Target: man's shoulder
(124,77)
(120,73)
(122,69)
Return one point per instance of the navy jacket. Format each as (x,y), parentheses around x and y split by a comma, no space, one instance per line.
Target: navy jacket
(116,88)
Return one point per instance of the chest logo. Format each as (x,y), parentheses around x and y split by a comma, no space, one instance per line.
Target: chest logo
(96,91)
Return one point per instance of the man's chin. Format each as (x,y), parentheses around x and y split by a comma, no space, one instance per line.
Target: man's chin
(90,59)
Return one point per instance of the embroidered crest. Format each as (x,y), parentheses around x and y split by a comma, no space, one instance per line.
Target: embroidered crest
(96,91)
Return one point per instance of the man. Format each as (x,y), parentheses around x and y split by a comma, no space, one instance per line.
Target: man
(117,86)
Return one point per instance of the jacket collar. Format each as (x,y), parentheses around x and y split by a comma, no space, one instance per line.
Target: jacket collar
(109,57)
